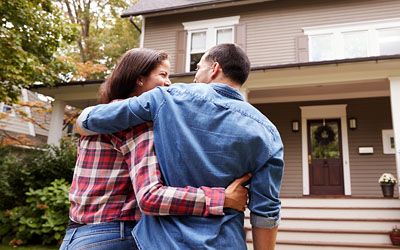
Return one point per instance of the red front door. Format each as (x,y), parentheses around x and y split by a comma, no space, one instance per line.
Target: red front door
(325,157)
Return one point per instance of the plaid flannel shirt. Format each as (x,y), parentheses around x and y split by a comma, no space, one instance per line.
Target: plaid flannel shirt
(111,168)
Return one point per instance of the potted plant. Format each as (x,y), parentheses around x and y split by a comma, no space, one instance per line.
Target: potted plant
(387,182)
(395,235)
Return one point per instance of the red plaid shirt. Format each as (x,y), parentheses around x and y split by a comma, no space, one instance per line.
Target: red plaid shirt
(110,169)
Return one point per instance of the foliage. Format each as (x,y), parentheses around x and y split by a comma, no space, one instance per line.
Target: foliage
(387,178)
(34,169)
(43,219)
(104,35)
(29,247)
(31,32)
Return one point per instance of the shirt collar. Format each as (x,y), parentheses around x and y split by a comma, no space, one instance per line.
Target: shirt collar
(227,91)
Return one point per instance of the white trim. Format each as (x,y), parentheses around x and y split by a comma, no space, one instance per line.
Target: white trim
(325,112)
(211,23)
(395,106)
(28,112)
(142,33)
(355,26)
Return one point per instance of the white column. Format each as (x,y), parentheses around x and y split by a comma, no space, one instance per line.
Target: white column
(395,105)
(142,33)
(244,91)
(56,123)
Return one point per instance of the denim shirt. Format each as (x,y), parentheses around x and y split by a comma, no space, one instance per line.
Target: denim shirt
(205,135)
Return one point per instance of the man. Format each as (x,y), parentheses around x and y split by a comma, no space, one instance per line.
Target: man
(205,135)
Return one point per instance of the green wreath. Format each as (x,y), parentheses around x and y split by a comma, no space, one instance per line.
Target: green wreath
(324,135)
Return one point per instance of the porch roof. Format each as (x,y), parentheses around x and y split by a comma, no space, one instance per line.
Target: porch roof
(275,83)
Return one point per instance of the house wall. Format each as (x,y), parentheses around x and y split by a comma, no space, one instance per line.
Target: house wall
(272,27)
(372,114)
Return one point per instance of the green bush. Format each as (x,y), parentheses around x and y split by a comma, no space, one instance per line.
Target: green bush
(35,168)
(43,219)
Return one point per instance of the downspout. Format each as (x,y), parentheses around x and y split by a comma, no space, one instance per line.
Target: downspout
(138,29)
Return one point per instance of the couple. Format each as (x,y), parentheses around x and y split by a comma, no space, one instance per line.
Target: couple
(205,136)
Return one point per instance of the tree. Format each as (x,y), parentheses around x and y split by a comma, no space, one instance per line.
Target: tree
(31,32)
(104,35)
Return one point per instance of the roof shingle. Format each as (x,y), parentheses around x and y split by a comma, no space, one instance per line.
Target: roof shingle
(153,6)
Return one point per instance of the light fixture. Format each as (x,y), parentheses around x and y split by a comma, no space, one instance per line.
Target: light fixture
(352,123)
(295,126)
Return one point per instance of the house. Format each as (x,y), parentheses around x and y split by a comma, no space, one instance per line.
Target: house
(327,74)
(25,120)
(27,123)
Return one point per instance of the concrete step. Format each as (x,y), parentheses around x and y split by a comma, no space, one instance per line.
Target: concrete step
(361,225)
(346,202)
(342,213)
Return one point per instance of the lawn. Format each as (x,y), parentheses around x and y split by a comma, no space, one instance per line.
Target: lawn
(36,247)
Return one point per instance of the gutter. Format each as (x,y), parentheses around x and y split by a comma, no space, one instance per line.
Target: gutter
(134,24)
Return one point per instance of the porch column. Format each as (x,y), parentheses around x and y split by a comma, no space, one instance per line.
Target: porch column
(244,92)
(395,105)
(56,123)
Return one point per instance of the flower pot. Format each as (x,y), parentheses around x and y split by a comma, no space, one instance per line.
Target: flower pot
(395,238)
(387,190)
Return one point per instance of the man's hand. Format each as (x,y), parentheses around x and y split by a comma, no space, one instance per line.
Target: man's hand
(236,194)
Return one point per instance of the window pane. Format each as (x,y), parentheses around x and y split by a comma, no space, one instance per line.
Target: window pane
(194,60)
(389,41)
(7,108)
(198,41)
(355,44)
(321,48)
(224,36)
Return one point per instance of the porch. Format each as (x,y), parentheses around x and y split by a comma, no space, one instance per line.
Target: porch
(335,224)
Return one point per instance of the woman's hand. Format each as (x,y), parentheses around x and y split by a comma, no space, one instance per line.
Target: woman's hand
(236,194)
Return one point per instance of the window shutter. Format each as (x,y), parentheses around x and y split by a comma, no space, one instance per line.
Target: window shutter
(240,35)
(302,48)
(180,59)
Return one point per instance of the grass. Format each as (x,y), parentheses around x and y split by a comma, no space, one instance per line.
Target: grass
(36,247)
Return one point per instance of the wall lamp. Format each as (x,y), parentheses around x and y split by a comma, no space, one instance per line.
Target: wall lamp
(352,123)
(295,126)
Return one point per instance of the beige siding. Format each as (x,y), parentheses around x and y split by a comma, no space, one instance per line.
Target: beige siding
(373,115)
(14,124)
(41,117)
(272,27)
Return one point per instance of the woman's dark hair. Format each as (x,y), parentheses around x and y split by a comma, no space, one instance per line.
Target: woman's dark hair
(132,65)
(233,60)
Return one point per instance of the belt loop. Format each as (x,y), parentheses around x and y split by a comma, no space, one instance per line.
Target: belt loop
(122,230)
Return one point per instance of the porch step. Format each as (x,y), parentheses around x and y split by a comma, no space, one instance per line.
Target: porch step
(335,224)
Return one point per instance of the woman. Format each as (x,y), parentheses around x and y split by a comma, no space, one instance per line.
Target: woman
(117,175)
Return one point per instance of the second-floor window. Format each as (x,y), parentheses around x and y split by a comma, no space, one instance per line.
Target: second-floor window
(204,34)
(374,38)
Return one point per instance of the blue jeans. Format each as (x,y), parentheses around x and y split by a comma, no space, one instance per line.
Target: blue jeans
(105,236)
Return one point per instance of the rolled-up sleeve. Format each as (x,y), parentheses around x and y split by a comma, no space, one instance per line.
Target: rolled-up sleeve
(265,186)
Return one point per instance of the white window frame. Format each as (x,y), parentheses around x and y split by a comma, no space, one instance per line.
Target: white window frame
(210,26)
(337,31)
(11,114)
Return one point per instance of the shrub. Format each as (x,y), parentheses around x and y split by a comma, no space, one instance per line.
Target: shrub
(43,219)
(35,169)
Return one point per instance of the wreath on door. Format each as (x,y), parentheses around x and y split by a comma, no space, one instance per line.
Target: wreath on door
(324,135)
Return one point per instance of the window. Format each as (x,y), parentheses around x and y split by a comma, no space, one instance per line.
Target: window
(204,34)
(7,108)
(354,40)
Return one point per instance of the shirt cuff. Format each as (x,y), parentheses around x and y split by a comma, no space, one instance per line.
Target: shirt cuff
(265,222)
(215,199)
(82,121)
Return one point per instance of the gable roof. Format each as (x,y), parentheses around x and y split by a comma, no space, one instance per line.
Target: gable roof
(156,6)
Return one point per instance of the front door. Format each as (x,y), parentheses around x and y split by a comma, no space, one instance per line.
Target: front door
(325,157)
